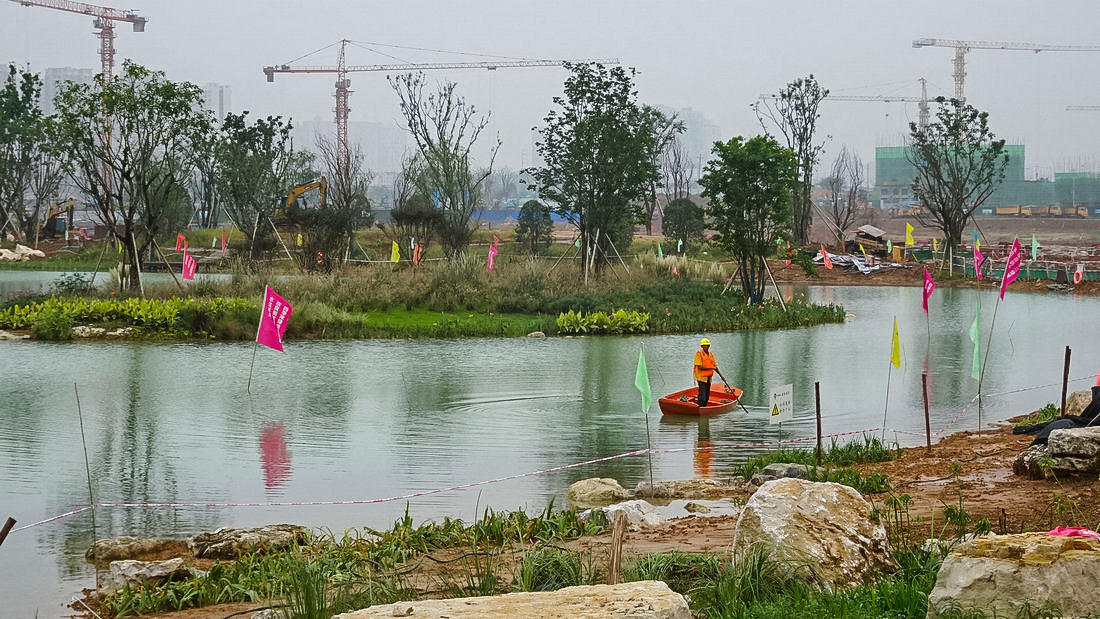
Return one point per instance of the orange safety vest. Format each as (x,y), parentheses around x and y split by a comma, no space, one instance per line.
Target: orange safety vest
(704,359)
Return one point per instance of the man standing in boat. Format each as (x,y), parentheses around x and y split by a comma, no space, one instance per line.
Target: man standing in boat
(705,366)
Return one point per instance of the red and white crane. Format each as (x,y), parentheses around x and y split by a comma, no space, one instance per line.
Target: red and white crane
(343,83)
(962,47)
(104,22)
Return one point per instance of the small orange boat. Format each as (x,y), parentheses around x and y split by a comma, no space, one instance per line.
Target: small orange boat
(722,400)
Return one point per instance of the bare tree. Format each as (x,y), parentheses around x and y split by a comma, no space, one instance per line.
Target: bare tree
(46,180)
(445,128)
(677,170)
(844,184)
(794,112)
(413,215)
(348,181)
(662,130)
(501,185)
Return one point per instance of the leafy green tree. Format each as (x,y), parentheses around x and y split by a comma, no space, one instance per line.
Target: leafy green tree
(30,168)
(749,185)
(133,146)
(445,128)
(959,163)
(794,112)
(254,168)
(684,220)
(596,148)
(534,227)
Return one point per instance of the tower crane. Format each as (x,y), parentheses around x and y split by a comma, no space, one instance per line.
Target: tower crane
(962,47)
(921,101)
(105,18)
(343,83)
(1083,108)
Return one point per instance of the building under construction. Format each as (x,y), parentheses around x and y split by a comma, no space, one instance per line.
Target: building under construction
(1069,194)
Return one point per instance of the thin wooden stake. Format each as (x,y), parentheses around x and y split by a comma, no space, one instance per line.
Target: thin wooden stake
(166,265)
(1065,381)
(87,467)
(137,262)
(255,345)
(817,399)
(886,407)
(7,527)
(91,281)
(618,531)
(927,422)
(777,293)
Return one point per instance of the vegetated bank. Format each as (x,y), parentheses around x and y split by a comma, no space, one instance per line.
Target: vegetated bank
(443,299)
(502,552)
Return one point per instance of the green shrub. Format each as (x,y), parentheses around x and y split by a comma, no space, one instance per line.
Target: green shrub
(1050,412)
(550,569)
(53,325)
(570,323)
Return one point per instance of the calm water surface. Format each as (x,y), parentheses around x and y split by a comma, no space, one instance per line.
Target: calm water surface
(371,419)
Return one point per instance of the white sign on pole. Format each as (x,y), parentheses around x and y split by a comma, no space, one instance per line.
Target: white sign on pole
(781,404)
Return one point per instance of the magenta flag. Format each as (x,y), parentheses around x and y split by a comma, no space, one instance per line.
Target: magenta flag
(492,255)
(189,265)
(929,286)
(223,242)
(273,318)
(1012,267)
(978,259)
(179,241)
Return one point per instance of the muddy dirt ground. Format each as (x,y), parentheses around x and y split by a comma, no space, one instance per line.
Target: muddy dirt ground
(970,469)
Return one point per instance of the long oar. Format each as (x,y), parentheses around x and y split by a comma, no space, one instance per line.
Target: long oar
(727,384)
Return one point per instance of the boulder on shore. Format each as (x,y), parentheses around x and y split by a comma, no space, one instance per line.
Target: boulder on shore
(1027,463)
(1075,450)
(646,599)
(145,574)
(596,492)
(687,489)
(126,547)
(1001,573)
(229,543)
(823,525)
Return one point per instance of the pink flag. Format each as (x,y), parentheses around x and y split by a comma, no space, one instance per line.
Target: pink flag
(189,265)
(416,254)
(978,259)
(223,242)
(492,255)
(929,286)
(825,254)
(180,239)
(495,240)
(1012,267)
(273,318)
(787,262)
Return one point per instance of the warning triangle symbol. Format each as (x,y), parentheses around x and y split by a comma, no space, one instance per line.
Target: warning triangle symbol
(775,410)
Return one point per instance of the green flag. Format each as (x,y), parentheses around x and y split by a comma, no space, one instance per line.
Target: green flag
(660,252)
(889,245)
(1034,248)
(641,381)
(975,336)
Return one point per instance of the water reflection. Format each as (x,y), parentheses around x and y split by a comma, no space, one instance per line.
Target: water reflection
(273,453)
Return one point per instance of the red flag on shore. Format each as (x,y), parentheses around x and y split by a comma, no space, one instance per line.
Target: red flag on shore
(273,318)
(223,242)
(180,240)
(416,254)
(189,265)
(825,254)
(1012,267)
(929,286)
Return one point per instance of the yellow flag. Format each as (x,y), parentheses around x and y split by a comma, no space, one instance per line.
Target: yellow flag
(299,239)
(895,347)
(395,253)
(935,245)
(862,251)
(909,234)
(978,244)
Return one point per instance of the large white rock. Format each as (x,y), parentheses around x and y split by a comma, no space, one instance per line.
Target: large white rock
(686,489)
(638,514)
(228,543)
(126,547)
(11,256)
(1000,573)
(826,526)
(596,492)
(647,599)
(1075,450)
(145,573)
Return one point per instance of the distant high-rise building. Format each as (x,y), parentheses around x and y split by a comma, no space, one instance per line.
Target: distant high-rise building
(218,98)
(54,78)
(699,132)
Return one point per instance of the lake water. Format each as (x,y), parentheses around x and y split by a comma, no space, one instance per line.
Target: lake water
(358,420)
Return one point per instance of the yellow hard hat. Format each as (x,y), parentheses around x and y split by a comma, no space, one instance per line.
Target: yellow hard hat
(704,342)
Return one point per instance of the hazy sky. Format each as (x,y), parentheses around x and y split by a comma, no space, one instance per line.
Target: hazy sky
(716,57)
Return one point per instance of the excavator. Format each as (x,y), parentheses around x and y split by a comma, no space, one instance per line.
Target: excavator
(291,200)
(49,229)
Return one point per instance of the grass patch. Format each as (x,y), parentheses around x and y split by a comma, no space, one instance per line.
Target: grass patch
(1050,412)
(870,449)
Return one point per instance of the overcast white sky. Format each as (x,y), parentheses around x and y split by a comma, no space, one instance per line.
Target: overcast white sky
(716,57)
